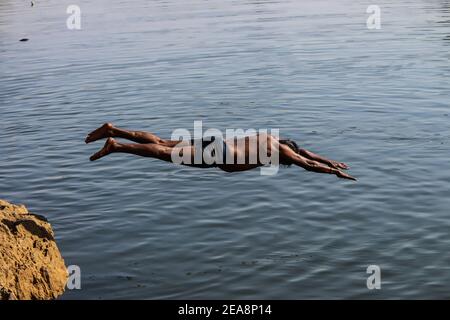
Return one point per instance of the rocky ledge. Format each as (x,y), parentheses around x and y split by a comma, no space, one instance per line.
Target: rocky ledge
(31,266)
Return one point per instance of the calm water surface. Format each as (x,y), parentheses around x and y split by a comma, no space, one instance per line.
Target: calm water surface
(139,228)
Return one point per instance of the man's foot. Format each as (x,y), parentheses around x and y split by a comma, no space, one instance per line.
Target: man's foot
(100,133)
(108,148)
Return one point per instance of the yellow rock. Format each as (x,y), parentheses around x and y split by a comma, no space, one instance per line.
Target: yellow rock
(31,266)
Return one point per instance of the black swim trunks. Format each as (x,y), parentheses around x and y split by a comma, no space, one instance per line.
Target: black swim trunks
(220,146)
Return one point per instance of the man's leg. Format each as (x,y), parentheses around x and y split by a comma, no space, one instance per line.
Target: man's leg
(108,130)
(151,150)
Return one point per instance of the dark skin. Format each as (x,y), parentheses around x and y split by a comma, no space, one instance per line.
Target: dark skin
(149,145)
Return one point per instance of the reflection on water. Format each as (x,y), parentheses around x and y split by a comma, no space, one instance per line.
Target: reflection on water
(139,228)
(445,16)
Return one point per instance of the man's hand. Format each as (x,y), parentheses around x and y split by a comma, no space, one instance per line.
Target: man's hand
(344,175)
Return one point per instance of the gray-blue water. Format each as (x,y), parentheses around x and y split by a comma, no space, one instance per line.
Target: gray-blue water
(141,228)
